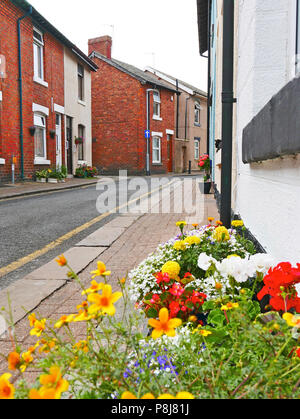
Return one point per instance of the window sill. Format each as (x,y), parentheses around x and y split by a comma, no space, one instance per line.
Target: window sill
(156,164)
(40,81)
(41,162)
(81,162)
(157,118)
(81,102)
(197,125)
(2,161)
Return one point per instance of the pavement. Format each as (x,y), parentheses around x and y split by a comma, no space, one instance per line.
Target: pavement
(121,244)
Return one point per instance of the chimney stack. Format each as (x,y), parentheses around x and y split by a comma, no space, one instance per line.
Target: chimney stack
(103,45)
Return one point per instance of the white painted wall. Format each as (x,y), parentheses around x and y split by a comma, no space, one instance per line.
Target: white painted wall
(80,112)
(267,194)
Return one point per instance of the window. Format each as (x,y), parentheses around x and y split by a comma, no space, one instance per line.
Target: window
(80,147)
(156,150)
(156,104)
(197,113)
(298,38)
(40,151)
(80,82)
(38,54)
(197,148)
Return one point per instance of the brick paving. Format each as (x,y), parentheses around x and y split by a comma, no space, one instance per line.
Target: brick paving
(132,247)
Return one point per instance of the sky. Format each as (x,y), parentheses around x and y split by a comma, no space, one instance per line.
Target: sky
(158,33)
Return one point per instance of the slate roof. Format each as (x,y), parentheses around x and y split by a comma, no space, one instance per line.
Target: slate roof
(133,72)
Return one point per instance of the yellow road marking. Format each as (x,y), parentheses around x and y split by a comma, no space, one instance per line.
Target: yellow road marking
(26,259)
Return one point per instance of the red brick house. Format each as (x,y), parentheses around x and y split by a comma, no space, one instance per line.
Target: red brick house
(121,95)
(31,90)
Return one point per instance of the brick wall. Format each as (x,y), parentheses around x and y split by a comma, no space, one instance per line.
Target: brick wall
(119,122)
(32,91)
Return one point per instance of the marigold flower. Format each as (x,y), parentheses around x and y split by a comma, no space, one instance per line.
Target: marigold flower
(221,234)
(62,261)
(219,223)
(179,245)
(104,302)
(192,240)
(39,327)
(100,271)
(127,395)
(195,225)
(182,396)
(211,219)
(7,390)
(181,224)
(237,223)
(54,380)
(172,269)
(164,325)
(193,319)
(218,286)
(14,360)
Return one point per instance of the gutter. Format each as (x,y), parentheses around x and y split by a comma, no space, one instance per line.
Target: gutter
(21,90)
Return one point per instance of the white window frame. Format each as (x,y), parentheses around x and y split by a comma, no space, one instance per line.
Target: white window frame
(197,112)
(38,123)
(81,146)
(156,104)
(154,149)
(38,59)
(197,148)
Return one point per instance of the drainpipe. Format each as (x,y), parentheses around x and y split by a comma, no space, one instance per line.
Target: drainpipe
(21,89)
(177,110)
(227,112)
(148,172)
(186,116)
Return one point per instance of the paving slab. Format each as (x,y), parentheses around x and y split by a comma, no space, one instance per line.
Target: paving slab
(25,296)
(124,221)
(78,259)
(104,237)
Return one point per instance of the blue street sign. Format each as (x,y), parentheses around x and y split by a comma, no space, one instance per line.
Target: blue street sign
(147,134)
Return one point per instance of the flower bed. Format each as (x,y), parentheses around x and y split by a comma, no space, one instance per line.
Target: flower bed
(223,322)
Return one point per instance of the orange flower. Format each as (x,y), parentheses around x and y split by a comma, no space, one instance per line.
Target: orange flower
(164,325)
(13,361)
(54,381)
(62,261)
(101,271)
(39,327)
(32,319)
(129,396)
(42,394)
(104,302)
(6,388)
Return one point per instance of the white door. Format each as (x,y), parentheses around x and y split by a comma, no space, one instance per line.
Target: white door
(58,141)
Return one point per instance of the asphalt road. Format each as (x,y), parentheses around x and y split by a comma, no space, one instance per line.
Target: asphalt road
(29,224)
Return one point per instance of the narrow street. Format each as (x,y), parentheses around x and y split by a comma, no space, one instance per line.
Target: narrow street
(29,224)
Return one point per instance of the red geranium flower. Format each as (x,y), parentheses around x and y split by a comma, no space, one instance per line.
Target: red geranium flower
(162,278)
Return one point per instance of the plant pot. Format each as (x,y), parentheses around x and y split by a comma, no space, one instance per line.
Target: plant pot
(205,187)
(41,180)
(52,180)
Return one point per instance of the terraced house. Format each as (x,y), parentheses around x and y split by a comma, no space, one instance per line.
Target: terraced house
(39,119)
(126,102)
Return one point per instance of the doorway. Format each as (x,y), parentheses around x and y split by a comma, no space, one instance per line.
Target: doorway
(69,144)
(58,140)
(170,152)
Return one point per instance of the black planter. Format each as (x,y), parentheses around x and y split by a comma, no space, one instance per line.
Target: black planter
(205,187)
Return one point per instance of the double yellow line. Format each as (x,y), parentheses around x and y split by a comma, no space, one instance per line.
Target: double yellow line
(29,258)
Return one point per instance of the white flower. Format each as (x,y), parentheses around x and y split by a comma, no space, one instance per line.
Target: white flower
(205,261)
(261,262)
(297,286)
(236,267)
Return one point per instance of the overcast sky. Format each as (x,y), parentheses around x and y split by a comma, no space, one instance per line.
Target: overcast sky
(163,33)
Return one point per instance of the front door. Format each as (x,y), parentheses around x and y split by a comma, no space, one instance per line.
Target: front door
(170,153)
(69,145)
(58,141)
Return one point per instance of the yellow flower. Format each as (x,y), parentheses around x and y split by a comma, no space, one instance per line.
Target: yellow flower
(202,332)
(233,256)
(62,261)
(193,319)
(101,271)
(221,234)
(211,219)
(164,325)
(229,306)
(32,319)
(123,281)
(181,396)
(13,361)
(64,320)
(172,269)
(104,302)
(292,320)
(7,390)
(179,245)
(27,358)
(55,381)
(81,346)
(39,327)
(237,223)
(181,224)
(95,287)
(127,395)
(83,316)
(192,240)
